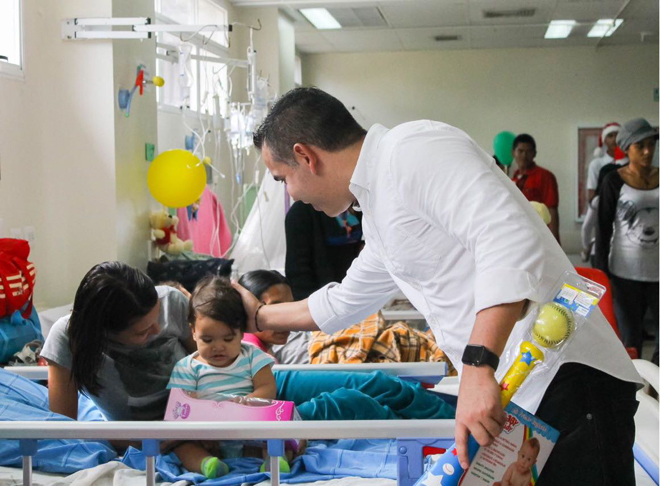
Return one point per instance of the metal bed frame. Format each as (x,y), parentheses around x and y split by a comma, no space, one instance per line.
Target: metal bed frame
(413,436)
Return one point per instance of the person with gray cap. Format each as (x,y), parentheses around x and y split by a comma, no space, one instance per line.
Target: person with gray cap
(627,241)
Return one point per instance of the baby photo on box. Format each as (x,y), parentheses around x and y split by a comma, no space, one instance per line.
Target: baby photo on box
(517,456)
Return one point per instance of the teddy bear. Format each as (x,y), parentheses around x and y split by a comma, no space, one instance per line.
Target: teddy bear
(164,232)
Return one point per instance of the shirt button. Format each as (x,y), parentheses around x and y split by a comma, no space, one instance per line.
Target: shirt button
(589,416)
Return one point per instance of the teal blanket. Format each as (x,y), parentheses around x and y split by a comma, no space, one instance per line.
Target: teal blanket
(336,395)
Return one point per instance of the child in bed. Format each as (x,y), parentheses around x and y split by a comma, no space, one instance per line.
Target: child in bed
(271,287)
(221,367)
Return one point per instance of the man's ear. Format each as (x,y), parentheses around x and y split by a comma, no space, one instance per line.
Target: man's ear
(306,155)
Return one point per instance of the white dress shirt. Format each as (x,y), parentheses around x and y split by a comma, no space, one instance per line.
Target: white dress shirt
(446,226)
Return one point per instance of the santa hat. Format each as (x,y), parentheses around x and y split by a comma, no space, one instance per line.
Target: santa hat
(607,129)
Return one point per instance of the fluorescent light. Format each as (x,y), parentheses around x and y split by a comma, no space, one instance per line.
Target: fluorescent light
(559,29)
(604,27)
(320,18)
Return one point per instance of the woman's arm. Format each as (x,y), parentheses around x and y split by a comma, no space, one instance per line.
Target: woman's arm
(62,391)
(609,198)
(264,384)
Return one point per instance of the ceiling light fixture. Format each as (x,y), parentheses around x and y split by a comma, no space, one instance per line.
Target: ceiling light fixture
(604,27)
(320,18)
(559,29)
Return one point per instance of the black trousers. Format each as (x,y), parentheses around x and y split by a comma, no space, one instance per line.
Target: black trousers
(593,412)
(631,300)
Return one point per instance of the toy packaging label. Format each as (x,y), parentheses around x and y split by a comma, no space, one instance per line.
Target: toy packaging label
(579,301)
(182,406)
(517,456)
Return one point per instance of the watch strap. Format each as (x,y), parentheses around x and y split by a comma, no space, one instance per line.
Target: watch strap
(475,355)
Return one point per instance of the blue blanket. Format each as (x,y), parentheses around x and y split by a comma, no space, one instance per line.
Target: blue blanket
(366,396)
(323,460)
(22,399)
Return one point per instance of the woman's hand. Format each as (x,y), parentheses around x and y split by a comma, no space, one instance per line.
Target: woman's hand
(251,304)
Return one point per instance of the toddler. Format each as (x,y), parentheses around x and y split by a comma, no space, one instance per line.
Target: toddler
(222,367)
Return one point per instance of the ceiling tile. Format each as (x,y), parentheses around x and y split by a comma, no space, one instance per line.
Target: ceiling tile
(420,39)
(587,9)
(543,10)
(426,13)
(363,40)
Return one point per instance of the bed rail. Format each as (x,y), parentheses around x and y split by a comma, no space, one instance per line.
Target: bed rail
(409,370)
(28,433)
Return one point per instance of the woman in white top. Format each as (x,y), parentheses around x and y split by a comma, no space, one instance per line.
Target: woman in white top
(627,241)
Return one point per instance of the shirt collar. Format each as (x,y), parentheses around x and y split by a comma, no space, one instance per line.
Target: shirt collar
(361,178)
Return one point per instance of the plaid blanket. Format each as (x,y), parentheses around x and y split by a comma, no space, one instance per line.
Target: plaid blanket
(373,341)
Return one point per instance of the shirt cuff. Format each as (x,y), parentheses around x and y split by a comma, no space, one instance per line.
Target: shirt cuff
(504,286)
(322,312)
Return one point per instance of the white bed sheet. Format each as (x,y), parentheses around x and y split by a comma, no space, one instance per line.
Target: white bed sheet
(117,474)
(343,482)
(112,473)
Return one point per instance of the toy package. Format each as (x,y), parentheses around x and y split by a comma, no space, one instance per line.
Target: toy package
(182,406)
(558,319)
(517,456)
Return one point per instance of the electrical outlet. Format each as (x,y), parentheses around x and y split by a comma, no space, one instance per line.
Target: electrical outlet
(29,232)
(16,233)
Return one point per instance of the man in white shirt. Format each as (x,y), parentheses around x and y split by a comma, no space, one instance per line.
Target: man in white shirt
(440,222)
(607,140)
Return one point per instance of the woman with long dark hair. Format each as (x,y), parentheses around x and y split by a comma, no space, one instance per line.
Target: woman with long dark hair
(118,346)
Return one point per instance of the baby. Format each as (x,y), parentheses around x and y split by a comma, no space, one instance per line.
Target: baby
(519,473)
(221,367)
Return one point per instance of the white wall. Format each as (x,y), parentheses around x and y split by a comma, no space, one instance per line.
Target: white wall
(131,135)
(545,92)
(57,149)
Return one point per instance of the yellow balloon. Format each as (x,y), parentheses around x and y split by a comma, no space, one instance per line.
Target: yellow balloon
(176,178)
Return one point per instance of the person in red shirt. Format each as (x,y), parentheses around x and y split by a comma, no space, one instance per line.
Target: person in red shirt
(535,182)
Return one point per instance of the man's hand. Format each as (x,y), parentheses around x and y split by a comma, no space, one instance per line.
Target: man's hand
(251,304)
(479,410)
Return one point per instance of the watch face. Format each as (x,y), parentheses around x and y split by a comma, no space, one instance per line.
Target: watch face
(473,355)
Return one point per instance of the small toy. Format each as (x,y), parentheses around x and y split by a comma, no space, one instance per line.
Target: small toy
(164,231)
(527,359)
(125,97)
(182,406)
(553,326)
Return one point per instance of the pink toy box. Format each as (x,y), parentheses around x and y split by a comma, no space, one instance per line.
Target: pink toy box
(182,406)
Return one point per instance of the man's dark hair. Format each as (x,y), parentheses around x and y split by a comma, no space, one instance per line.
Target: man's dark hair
(309,116)
(215,298)
(524,138)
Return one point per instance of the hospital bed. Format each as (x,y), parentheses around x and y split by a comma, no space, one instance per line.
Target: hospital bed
(414,437)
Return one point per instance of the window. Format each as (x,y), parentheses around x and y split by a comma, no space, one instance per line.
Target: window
(11,55)
(201,84)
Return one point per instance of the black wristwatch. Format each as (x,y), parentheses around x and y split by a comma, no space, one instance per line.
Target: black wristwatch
(479,355)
